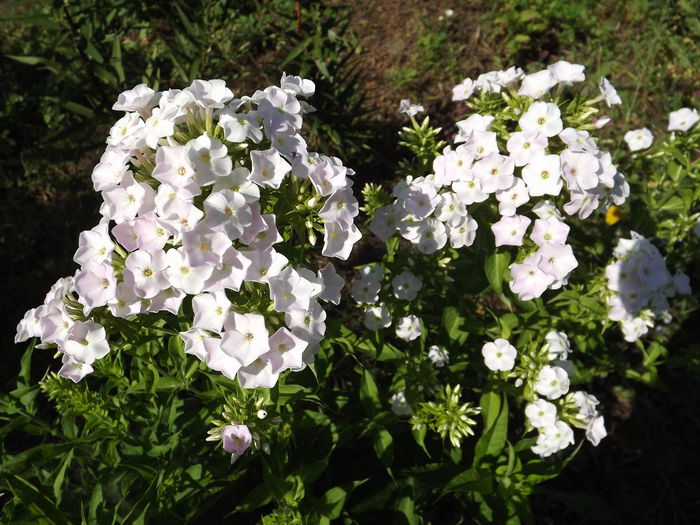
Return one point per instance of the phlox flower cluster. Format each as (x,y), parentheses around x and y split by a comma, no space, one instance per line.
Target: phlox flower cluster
(381,296)
(640,286)
(200,189)
(552,408)
(535,85)
(544,168)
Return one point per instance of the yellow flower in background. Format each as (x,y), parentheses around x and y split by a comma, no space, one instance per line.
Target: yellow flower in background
(614,214)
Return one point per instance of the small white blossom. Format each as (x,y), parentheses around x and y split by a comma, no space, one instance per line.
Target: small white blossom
(552,382)
(682,119)
(638,139)
(438,356)
(499,355)
(409,328)
(399,404)
(410,109)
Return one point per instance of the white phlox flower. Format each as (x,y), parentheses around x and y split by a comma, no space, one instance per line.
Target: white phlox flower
(543,117)
(567,73)
(682,119)
(399,404)
(536,85)
(410,109)
(409,328)
(438,355)
(552,382)
(499,355)
(406,285)
(609,93)
(377,317)
(638,139)
(541,413)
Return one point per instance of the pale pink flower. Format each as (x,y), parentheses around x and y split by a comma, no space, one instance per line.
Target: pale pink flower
(96,283)
(86,341)
(269,168)
(236,438)
(145,272)
(245,337)
(509,231)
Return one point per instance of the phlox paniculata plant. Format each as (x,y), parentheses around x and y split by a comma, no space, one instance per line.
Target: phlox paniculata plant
(211,207)
(524,170)
(478,333)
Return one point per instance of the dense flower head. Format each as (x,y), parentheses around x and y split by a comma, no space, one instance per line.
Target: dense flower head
(639,286)
(545,373)
(203,194)
(524,146)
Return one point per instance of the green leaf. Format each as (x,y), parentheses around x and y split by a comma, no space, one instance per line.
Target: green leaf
(495,267)
(332,502)
(388,352)
(471,480)
(257,497)
(322,68)
(490,403)
(36,501)
(494,437)
(29,60)
(384,447)
(452,321)
(296,51)
(406,506)
(674,205)
(150,379)
(508,322)
(26,362)
(60,476)
(79,109)
(194,471)
(189,29)
(529,14)
(654,351)
(195,68)
(369,394)
(377,499)
(93,53)
(45,20)
(419,435)
(117,60)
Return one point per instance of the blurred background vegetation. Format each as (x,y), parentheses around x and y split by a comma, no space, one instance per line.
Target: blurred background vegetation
(63,63)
